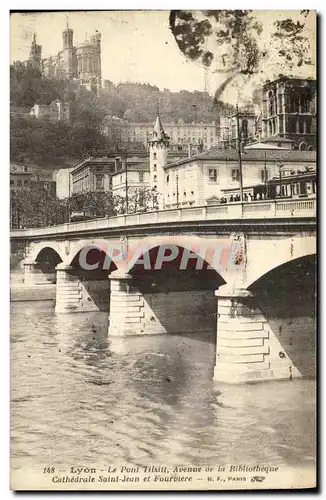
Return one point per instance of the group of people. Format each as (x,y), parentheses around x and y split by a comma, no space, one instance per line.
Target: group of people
(246,197)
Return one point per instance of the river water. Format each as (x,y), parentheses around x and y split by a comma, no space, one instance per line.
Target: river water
(80,398)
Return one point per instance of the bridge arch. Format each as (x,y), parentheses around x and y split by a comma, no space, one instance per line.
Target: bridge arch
(214,253)
(177,288)
(76,247)
(39,251)
(286,298)
(264,258)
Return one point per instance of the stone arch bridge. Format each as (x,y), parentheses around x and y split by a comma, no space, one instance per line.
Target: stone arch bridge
(245,270)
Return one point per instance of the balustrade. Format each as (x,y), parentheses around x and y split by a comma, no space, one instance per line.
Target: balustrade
(261,209)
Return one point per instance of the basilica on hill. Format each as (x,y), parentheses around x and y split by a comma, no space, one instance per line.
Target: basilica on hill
(80,63)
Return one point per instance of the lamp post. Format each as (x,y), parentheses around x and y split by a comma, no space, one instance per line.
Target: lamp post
(69,194)
(194,106)
(280,165)
(239,153)
(265,176)
(177,185)
(125,157)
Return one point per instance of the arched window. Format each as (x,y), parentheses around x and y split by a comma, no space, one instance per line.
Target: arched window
(155,178)
(271,103)
(270,127)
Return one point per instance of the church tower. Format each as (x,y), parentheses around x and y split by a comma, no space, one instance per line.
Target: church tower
(68,51)
(158,155)
(35,56)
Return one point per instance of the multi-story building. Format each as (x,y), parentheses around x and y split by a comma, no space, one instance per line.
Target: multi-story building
(248,127)
(181,134)
(289,111)
(135,177)
(214,174)
(26,177)
(57,111)
(96,173)
(81,62)
(92,174)
(20,177)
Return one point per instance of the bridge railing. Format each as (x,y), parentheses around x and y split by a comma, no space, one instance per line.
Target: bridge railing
(265,209)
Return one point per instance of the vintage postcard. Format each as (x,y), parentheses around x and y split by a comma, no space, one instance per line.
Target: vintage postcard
(163,250)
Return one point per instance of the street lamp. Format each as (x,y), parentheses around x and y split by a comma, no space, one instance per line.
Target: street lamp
(239,153)
(280,165)
(125,157)
(177,186)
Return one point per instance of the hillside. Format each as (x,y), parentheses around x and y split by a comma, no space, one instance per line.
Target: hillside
(47,142)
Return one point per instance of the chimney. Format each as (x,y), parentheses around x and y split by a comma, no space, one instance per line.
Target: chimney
(117,164)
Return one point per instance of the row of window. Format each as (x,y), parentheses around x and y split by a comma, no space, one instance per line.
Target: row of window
(235,175)
(192,193)
(19,182)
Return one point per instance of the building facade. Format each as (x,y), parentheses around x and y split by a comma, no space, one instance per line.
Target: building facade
(248,126)
(26,177)
(215,175)
(81,62)
(92,174)
(56,111)
(20,177)
(181,134)
(134,178)
(289,111)
(99,173)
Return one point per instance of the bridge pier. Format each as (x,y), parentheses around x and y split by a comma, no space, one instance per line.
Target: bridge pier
(33,275)
(247,349)
(76,292)
(126,311)
(67,290)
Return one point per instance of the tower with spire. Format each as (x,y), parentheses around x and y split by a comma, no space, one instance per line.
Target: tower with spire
(69,59)
(158,155)
(35,55)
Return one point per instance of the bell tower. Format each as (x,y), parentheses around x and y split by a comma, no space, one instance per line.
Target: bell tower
(67,51)
(158,155)
(35,54)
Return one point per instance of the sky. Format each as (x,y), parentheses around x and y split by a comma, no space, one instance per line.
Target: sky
(137,46)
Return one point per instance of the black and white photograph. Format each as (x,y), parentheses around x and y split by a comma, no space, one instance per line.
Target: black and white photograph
(163,293)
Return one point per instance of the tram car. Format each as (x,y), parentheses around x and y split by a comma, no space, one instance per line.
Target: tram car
(296,185)
(288,185)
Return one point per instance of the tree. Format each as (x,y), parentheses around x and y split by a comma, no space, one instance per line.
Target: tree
(142,199)
(36,208)
(236,42)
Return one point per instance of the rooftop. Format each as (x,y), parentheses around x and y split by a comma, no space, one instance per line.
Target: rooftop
(294,80)
(139,167)
(248,155)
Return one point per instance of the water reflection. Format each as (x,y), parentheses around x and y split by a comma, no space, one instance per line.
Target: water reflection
(79,396)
